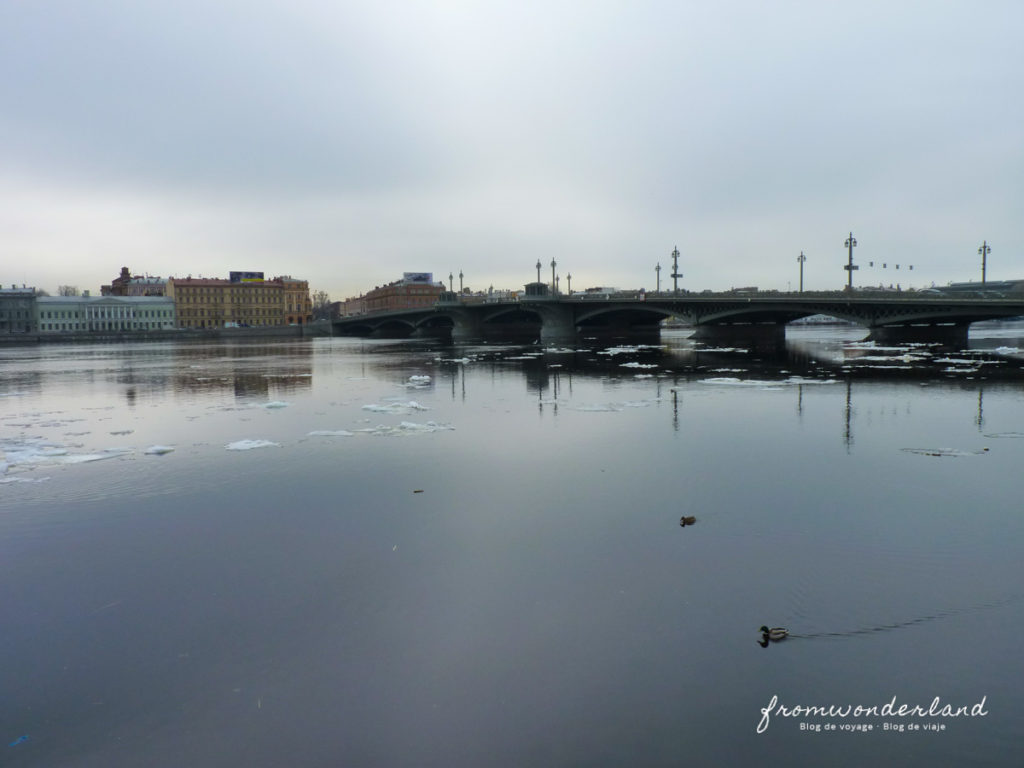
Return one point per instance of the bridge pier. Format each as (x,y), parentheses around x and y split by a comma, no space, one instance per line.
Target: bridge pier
(558,321)
(950,335)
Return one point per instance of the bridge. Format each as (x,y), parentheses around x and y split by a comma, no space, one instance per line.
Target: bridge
(730,317)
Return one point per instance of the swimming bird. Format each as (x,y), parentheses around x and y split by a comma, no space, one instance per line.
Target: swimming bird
(774,633)
(685,521)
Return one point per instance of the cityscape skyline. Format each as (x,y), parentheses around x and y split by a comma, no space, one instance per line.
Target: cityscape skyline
(346,144)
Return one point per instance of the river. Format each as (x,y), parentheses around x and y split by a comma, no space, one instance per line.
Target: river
(348,552)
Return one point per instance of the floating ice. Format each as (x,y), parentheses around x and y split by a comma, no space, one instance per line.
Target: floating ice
(1007,351)
(625,349)
(248,445)
(122,431)
(736,350)
(407,428)
(330,433)
(158,450)
(638,365)
(1006,434)
(419,379)
(644,376)
(85,458)
(730,381)
(801,380)
(276,404)
(396,408)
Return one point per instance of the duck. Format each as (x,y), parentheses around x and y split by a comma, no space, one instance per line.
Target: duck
(685,521)
(775,634)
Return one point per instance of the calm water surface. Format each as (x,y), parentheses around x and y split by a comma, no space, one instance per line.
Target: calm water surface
(370,553)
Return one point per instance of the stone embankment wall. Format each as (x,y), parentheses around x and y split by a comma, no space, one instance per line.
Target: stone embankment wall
(323,328)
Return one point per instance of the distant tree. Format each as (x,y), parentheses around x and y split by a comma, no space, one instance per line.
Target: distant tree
(41,292)
(67,290)
(321,305)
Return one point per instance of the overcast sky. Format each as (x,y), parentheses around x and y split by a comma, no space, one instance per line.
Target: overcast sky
(348,141)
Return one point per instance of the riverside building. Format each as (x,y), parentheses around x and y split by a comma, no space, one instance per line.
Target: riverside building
(17,309)
(243,300)
(55,314)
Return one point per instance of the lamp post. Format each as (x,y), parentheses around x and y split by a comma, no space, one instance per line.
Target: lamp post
(657,277)
(675,271)
(568,283)
(538,270)
(985,250)
(554,285)
(450,278)
(850,243)
(460,281)
(801,258)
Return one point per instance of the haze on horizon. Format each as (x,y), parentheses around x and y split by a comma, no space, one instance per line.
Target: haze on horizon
(348,142)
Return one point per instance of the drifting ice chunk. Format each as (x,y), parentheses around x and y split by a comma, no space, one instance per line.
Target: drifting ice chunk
(158,450)
(276,404)
(248,445)
(397,408)
(330,433)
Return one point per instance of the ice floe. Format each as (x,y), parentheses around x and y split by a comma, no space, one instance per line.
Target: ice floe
(407,428)
(396,408)
(276,404)
(158,450)
(638,365)
(248,445)
(1005,434)
(626,349)
(330,433)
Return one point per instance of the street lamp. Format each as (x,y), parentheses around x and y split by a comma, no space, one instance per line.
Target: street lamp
(675,271)
(554,286)
(450,278)
(460,281)
(568,281)
(850,243)
(985,250)
(801,258)
(657,277)
(538,270)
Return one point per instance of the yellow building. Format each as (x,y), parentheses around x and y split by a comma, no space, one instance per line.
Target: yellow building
(242,301)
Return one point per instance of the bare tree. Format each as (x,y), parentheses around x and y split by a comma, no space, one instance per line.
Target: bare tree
(67,290)
(321,305)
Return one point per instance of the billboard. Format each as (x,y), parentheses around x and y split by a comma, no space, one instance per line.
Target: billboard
(245,277)
(418,277)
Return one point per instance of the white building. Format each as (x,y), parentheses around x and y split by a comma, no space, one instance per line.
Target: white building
(55,314)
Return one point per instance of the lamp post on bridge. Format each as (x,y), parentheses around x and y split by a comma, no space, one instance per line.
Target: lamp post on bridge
(554,283)
(450,278)
(568,283)
(801,258)
(657,277)
(985,250)
(850,243)
(675,271)
(460,281)
(538,270)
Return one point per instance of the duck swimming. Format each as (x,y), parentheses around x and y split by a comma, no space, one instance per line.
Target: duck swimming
(775,634)
(685,521)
